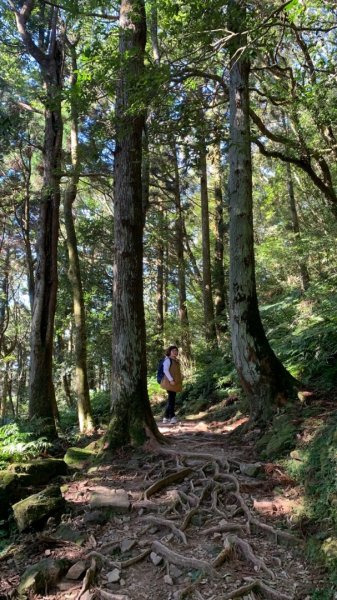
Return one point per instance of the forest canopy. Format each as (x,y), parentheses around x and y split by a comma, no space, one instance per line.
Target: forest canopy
(168,175)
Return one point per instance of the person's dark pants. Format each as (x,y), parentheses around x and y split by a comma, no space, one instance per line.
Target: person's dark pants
(171,401)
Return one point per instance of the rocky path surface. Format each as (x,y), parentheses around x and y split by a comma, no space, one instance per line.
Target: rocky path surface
(198,519)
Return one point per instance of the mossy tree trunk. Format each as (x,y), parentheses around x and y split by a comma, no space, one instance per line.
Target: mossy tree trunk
(85,418)
(49,56)
(131,418)
(263,377)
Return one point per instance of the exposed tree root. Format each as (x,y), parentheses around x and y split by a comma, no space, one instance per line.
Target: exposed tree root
(105,595)
(182,560)
(166,523)
(135,559)
(257,586)
(276,534)
(89,579)
(162,483)
(247,552)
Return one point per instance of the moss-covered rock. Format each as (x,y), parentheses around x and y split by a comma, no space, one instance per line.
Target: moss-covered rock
(40,472)
(12,489)
(34,510)
(42,577)
(78,458)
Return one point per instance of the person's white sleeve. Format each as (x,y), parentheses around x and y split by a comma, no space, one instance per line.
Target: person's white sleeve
(166,367)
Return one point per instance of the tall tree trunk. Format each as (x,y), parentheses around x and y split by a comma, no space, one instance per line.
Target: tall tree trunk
(263,377)
(219,273)
(305,279)
(209,322)
(25,222)
(179,242)
(131,411)
(85,418)
(42,402)
(160,283)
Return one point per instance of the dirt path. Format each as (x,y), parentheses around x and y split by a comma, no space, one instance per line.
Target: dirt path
(201,524)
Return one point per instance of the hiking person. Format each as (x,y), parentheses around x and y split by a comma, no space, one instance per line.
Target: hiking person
(172,382)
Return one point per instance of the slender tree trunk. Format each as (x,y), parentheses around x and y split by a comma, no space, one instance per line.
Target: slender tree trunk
(160,284)
(305,279)
(263,377)
(131,411)
(25,224)
(209,322)
(85,419)
(179,242)
(219,273)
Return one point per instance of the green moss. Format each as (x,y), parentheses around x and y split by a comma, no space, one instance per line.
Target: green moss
(35,510)
(77,458)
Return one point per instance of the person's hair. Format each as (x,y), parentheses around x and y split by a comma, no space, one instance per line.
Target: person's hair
(168,351)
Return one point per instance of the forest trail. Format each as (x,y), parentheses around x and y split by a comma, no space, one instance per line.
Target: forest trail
(202,520)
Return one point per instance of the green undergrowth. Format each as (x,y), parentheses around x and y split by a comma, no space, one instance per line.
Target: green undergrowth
(20,441)
(313,464)
(302,329)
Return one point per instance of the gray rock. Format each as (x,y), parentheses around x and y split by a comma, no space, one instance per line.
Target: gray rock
(127,544)
(112,499)
(114,576)
(41,577)
(155,558)
(250,469)
(77,570)
(175,572)
(168,579)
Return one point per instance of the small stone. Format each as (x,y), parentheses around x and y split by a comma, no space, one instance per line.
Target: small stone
(250,469)
(76,570)
(155,558)
(175,572)
(47,552)
(168,580)
(127,544)
(114,576)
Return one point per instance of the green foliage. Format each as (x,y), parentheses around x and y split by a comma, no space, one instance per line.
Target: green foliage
(279,438)
(100,404)
(321,473)
(20,441)
(211,383)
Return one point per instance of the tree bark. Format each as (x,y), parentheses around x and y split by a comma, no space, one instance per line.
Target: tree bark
(42,402)
(263,377)
(209,323)
(179,239)
(131,417)
(85,418)
(221,320)
(304,273)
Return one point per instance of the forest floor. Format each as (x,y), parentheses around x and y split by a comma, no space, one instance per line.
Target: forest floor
(202,519)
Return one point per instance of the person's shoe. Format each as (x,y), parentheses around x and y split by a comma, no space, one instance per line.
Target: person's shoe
(165,420)
(173,420)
